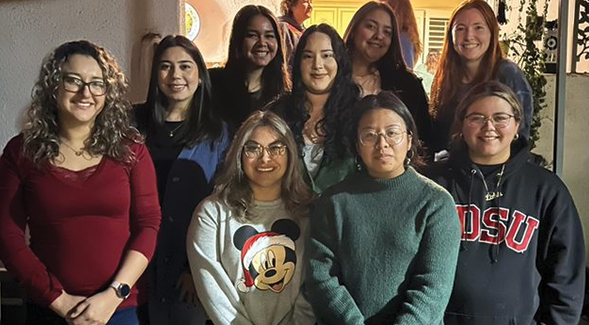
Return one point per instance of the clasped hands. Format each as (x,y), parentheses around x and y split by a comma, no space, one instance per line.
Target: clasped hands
(93,310)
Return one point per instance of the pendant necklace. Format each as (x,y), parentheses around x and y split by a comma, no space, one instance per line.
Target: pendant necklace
(490,196)
(173,131)
(76,152)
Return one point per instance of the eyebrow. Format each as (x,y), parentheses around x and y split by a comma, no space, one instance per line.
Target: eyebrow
(181,61)
(376,23)
(75,74)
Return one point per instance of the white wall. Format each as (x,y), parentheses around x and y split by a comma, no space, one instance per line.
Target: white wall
(30,29)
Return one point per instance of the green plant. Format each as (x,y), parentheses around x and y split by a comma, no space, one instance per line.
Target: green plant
(531,59)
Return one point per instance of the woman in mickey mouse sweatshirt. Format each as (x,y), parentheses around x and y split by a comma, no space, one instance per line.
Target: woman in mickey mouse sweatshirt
(245,242)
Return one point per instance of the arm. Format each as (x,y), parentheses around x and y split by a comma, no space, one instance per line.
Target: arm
(332,302)
(562,263)
(40,285)
(144,223)
(215,289)
(432,277)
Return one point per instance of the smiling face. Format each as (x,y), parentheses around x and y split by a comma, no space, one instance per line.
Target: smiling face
(373,36)
(178,77)
(81,107)
(471,35)
(260,44)
(318,64)
(265,172)
(487,144)
(383,160)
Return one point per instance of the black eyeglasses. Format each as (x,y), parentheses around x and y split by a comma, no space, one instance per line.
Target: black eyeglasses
(75,85)
(256,150)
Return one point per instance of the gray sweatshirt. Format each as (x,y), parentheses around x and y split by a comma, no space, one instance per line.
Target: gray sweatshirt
(249,273)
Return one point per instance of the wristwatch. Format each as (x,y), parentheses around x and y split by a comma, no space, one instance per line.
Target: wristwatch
(122,289)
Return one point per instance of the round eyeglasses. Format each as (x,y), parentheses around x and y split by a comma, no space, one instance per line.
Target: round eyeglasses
(256,150)
(392,136)
(499,120)
(75,85)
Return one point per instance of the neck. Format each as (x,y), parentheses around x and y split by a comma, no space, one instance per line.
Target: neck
(266,194)
(316,102)
(75,136)
(361,68)
(471,70)
(177,111)
(492,160)
(254,80)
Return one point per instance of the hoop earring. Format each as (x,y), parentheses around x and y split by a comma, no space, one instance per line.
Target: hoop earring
(516,136)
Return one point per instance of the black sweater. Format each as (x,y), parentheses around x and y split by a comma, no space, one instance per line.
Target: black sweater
(522,257)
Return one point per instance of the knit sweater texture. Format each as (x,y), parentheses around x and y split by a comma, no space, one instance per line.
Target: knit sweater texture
(382,251)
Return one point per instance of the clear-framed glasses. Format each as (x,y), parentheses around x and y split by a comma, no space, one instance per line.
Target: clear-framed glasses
(499,120)
(75,85)
(392,136)
(256,150)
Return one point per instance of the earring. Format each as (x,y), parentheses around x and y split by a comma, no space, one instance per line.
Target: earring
(516,136)
(358,164)
(460,135)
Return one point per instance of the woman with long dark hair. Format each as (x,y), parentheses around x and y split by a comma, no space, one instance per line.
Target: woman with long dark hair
(319,109)
(80,178)
(187,140)
(372,40)
(471,55)
(255,72)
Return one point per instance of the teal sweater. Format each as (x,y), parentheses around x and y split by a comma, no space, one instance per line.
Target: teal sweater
(382,251)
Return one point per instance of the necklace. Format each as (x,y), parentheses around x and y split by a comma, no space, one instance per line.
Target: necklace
(173,131)
(76,152)
(490,196)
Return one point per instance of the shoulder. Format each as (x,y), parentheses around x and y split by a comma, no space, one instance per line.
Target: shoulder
(15,145)
(430,189)
(216,74)
(507,69)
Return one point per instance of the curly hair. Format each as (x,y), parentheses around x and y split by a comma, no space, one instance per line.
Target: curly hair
(451,68)
(275,77)
(285,6)
(339,106)
(407,23)
(392,61)
(202,120)
(232,185)
(111,134)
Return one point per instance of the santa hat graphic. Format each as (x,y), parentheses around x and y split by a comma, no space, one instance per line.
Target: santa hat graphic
(254,245)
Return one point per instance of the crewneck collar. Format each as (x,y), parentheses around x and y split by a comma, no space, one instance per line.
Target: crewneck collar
(267,205)
(400,182)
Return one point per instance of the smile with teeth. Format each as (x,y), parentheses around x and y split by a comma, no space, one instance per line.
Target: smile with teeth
(265,169)
(470,46)
(83,105)
(177,87)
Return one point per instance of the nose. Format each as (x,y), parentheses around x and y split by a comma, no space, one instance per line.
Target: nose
(85,91)
(489,124)
(318,62)
(381,142)
(176,73)
(265,156)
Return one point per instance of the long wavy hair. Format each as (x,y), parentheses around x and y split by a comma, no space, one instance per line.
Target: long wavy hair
(392,61)
(232,185)
(491,88)
(388,100)
(451,69)
(111,134)
(202,120)
(275,77)
(407,24)
(337,112)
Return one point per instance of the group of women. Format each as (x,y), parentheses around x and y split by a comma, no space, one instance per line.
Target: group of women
(289,198)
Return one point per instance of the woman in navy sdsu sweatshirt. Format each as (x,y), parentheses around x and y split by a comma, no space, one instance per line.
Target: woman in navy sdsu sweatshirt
(522,257)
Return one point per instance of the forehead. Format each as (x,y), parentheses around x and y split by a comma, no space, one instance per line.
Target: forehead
(264,135)
(470,17)
(176,53)
(379,118)
(82,64)
(319,41)
(379,16)
(260,23)
(490,105)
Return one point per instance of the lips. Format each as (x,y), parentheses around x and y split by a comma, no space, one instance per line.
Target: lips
(83,105)
(318,75)
(177,87)
(470,45)
(265,169)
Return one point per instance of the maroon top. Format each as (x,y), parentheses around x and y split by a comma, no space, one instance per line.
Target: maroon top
(80,228)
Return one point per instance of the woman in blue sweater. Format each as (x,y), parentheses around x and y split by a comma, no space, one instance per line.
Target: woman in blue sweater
(384,242)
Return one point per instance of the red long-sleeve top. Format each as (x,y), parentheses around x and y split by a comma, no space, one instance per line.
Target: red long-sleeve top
(79,231)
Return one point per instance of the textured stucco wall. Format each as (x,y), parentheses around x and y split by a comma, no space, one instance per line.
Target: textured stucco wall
(32,28)
(576,150)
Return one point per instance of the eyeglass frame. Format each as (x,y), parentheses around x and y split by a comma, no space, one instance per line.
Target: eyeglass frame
(382,133)
(81,84)
(487,119)
(258,154)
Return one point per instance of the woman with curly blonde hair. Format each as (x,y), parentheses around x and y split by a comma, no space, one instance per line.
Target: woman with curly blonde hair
(82,181)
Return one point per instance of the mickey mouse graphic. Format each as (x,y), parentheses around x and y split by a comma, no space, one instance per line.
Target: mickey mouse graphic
(268,258)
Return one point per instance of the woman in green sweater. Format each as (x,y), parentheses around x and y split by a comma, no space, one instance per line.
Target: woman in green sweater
(384,242)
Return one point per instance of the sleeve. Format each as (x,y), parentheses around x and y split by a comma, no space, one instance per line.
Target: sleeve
(303,312)
(42,286)
(332,301)
(511,75)
(562,264)
(432,278)
(213,286)
(145,214)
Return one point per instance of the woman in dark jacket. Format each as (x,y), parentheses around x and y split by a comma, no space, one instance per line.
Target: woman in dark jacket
(522,257)
(187,141)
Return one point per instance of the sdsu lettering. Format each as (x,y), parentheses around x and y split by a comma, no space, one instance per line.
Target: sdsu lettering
(493,227)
